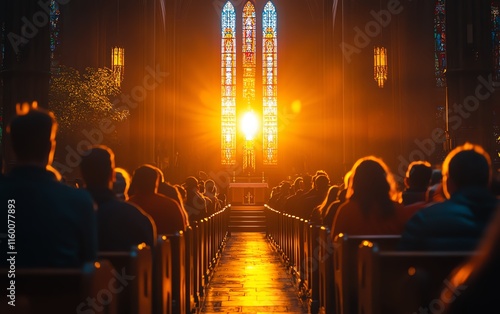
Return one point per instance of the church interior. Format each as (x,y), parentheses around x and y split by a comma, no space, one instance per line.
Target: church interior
(332,102)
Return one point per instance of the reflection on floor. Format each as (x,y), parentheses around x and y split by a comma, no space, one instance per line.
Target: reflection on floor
(250,278)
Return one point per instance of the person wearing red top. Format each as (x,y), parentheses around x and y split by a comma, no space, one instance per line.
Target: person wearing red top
(166,212)
(372,206)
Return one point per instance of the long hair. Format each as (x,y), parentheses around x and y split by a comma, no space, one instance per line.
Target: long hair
(373,186)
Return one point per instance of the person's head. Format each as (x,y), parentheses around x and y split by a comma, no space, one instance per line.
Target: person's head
(210,186)
(201,186)
(191,183)
(307,181)
(372,183)
(436,177)
(97,167)
(121,183)
(418,175)
(466,166)
(321,183)
(33,135)
(298,184)
(285,188)
(145,179)
(331,197)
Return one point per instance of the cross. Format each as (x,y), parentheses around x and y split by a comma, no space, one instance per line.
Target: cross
(249,197)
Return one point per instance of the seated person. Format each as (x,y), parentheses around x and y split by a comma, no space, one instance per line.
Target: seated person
(372,205)
(473,286)
(196,205)
(416,181)
(458,223)
(166,212)
(55,224)
(120,225)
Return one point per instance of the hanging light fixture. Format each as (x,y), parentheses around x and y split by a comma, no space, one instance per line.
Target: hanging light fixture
(118,53)
(380,65)
(118,63)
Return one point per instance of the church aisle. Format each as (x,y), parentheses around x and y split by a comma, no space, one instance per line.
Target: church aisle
(250,278)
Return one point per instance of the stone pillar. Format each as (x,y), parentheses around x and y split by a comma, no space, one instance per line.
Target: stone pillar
(26,67)
(470,88)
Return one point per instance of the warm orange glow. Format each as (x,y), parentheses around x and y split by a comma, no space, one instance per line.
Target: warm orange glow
(380,65)
(97,265)
(296,106)
(412,271)
(249,125)
(24,108)
(366,243)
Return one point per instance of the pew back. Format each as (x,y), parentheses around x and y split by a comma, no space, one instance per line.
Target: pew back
(345,267)
(394,282)
(162,276)
(134,278)
(179,283)
(60,290)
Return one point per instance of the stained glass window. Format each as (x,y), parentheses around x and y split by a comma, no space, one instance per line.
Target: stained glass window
(495,37)
(228,83)
(54,32)
(248,50)
(440,42)
(269,84)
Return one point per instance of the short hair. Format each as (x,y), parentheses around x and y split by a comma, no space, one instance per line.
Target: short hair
(122,182)
(322,182)
(32,133)
(468,165)
(145,179)
(191,183)
(210,186)
(97,166)
(419,174)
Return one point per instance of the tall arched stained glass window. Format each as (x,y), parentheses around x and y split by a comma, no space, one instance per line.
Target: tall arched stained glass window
(269,84)
(228,84)
(495,37)
(440,42)
(248,50)
(54,34)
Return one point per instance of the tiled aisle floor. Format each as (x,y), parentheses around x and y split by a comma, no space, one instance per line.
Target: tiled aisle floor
(250,278)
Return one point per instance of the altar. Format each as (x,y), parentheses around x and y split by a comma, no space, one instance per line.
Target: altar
(248,193)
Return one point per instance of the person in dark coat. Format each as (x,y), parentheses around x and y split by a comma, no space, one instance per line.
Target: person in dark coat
(473,286)
(54,224)
(120,224)
(458,223)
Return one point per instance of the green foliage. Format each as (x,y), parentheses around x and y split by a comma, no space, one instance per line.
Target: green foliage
(82,101)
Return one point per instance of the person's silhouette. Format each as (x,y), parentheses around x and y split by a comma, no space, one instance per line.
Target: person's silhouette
(55,224)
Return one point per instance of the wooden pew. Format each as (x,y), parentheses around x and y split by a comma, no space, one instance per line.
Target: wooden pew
(313,263)
(323,301)
(62,290)
(135,270)
(395,282)
(162,276)
(190,269)
(179,284)
(345,267)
